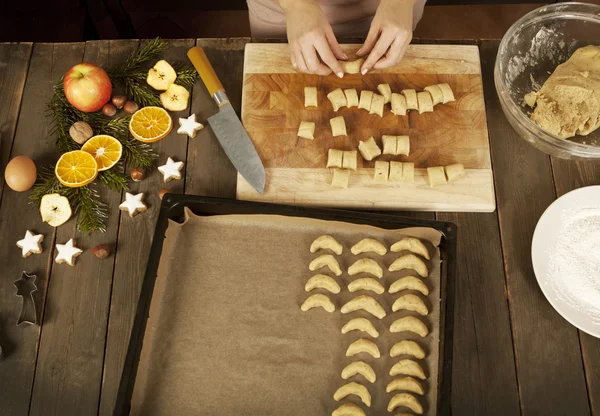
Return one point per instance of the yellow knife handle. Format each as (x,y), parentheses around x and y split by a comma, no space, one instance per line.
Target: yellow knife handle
(208,75)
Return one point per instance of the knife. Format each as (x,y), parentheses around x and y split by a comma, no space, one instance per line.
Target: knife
(227,126)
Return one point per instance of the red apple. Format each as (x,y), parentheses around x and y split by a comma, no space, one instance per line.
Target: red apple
(87,87)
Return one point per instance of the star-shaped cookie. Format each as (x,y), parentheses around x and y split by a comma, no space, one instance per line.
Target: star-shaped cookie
(67,253)
(30,244)
(189,126)
(133,204)
(171,170)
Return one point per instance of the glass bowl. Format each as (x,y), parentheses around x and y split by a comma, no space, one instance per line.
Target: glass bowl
(529,52)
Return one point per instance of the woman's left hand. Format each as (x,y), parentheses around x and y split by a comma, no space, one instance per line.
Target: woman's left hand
(389,35)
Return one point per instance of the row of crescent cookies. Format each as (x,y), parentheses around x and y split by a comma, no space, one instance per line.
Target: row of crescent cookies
(409,302)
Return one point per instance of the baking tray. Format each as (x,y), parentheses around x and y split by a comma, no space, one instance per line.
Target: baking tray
(172,208)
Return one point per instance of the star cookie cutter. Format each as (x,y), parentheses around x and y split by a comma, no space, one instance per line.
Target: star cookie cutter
(25,288)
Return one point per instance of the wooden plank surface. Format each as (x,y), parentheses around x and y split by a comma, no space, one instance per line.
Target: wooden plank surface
(20,344)
(548,355)
(134,240)
(273,107)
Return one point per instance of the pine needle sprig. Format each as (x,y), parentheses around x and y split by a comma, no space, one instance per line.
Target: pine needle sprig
(46,183)
(186,74)
(138,154)
(114,178)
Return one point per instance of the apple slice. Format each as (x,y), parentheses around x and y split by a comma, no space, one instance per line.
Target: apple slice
(161,76)
(175,98)
(55,209)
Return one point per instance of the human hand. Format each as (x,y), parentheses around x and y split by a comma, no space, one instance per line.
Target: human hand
(389,35)
(309,33)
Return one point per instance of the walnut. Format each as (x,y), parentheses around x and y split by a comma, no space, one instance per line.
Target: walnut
(80,132)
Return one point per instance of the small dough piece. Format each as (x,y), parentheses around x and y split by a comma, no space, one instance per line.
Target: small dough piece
(411,244)
(325,260)
(407,347)
(385,91)
(322,281)
(402,145)
(368,245)
(366,303)
(366,97)
(455,171)
(340,179)
(411,99)
(353,388)
(359,367)
(363,345)
(389,144)
(350,159)
(351,97)
(410,302)
(366,265)
(307,130)
(405,384)
(326,242)
(408,172)
(352,67)
(436,176)
(318,300)
(338,126)
(409,283)
(360,324)
(369,149)
(395,171)
(335,158)
(310,97)
(410,261)
(446,93)
(407,367)
(366,283)
(382,171)
(377,105)
(411,324)
(337,98)
(406,400)
(398,103)
(436,94)
(348,409)
(425,102)
(530,99)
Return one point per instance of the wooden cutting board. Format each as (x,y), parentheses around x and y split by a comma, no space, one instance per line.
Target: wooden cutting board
(273,106)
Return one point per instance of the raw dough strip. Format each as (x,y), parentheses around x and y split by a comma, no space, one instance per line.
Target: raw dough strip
(310,97)
(338,126)
(341,178)
(398,103)
(389,144)
(386,91)
(369,149)
(455,171)
(446,93)
(335,158)
(366,97)
(307,130)
(352,67)
(337,98)
(425,102)
(351,97)
(436,176)
(395,171)
(436,94)
(382,171)
(377,105)
(411,99)
(350,159)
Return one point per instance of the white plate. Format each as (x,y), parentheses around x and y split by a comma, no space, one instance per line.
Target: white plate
(544,237)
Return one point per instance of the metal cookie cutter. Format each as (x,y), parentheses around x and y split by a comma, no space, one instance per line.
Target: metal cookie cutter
(25,288)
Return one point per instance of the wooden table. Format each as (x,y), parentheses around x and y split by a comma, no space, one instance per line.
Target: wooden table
(513,354)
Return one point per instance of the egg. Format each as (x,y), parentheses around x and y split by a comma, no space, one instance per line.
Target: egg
(20,173)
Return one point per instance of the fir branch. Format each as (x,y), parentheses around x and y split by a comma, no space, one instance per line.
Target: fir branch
(141,94)
(186,74)
(46,183)
(138,154)
(114,178)
(92,212)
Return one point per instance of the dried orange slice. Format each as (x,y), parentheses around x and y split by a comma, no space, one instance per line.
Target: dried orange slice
(76,168)
(106,150)
(150,124)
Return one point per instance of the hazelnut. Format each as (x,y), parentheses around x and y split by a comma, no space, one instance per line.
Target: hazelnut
(80,132)
(138,174)
(162,193)
(102,251)
(109,110)
(131,107)
(119,101)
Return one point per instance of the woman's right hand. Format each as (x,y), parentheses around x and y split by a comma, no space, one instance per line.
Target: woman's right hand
(310,36)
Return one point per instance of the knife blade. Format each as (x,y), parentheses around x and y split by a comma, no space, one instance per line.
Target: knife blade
(227,126)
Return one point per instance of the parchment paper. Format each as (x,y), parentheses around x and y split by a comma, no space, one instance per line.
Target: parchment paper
(226,336)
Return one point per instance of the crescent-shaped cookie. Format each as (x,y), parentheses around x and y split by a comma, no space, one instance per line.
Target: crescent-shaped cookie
(326,242)
(410,283)
(360,324)
(406,400)
(353,388)
(363,345)
(366,303)
(325,260)
(359,367)
(410,323)
(368,245)
(405,384)
(408,367)
(410,261)
(407,347)
(412,303)
(366,265)
(366,283)
(348,409)
(411,244)
(317,300)
(322,281)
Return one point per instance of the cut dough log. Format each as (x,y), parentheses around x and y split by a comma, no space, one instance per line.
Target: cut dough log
(410,283)
(322,281)
(368,245)
(363,345)
(402,145)
(386,91)
(411,244)
(348,409)
(369,149)
(408,172)
(318,300)
(410,324)
(436,94)
(389,144)
(425,102)
(359,367)
(366,265)
(366,97)
(398,103)
(446,93)
(382,171)
(338,126)
(341,178)
(405,384)
(408,367)
(350,159)
(395,171)
(337,98)
(351,97)
(366,303)
(360,324)
(410,302)
(353,388)
(335,158)
(352,67)
(436,176)
(325,260)
(306,130)
(406,400)
(411,99)
(410,261)
(326,242)
(377,105)
(455,171)
(310,97)
(366,283)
